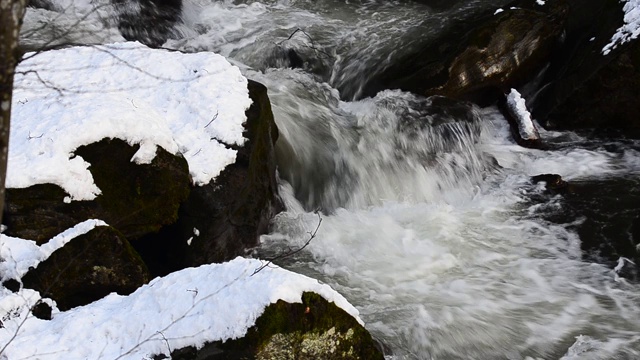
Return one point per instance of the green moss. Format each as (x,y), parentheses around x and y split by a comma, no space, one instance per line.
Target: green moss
(315,329)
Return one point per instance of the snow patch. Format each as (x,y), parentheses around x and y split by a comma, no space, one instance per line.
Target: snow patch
(518,108)
(540,2)
(192,104)
(631,28)
(187,308)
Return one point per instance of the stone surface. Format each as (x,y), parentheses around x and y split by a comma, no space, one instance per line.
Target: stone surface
(219,221)
(314,329)
(479,59)
(148,21)
(88,268)
(583,88)
(136,199)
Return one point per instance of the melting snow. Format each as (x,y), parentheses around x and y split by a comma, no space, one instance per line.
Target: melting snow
(192,104)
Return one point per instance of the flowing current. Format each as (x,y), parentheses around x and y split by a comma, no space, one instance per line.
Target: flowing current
(430,224)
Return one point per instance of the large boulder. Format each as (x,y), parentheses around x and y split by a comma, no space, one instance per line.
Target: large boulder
(583,87)
(224,218)
(313,329)
(481,58)
(137,199)
(88,268)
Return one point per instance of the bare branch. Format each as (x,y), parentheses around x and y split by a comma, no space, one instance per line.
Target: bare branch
(291,252)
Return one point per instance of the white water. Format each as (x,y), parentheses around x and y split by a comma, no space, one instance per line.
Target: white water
(439,248)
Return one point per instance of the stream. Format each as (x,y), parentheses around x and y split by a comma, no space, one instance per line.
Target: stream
(430,224)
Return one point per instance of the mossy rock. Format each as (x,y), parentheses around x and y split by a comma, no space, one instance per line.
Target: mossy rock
(88,268)
(314,329)
(137,199)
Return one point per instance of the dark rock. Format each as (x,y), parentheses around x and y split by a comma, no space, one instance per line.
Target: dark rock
(12,285)
(221,220)
(136,199)
(150,22)
(41,310)
(583,88)
(478,60)
(314,329)
(553,182)
(88,268)
(533,142)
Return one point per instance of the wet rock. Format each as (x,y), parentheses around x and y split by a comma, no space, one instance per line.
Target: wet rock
(523,130)
(583,88)
(315,329)
(219,221)
(478,60)
(150,22)
(88,268)
(136,199)
(553,182)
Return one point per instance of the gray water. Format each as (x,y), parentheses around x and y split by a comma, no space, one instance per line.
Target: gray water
(428,227)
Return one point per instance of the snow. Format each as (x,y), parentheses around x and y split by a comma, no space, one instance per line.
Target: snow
(540,2)
(518,108)
(631,28)
(18,255)
(193,104)
(187,308)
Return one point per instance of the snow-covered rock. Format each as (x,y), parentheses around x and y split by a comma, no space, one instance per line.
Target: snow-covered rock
(192,104)
(191,307)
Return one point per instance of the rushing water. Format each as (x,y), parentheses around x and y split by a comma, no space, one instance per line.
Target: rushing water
(430,224)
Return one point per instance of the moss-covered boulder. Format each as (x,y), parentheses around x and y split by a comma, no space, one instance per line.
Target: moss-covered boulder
(314,329)
(478,59)
(137,199)
(221,220)
(88,268)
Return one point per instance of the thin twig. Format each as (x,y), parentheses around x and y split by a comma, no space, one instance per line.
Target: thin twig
(291,252)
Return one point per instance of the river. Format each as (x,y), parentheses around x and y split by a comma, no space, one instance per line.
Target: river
(430,224)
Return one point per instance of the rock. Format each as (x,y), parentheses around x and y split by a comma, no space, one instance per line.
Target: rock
(315,329)
(523,129)
(553,182)
(478,60)
(12,285)
(227,216)
(136,199)
(584,88)
(150,22)
(88,268)
(608,100)
(42,310)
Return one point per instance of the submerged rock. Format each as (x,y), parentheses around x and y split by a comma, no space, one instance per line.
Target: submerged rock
(88,268)
(604,214)
(314,329)
(553,182)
